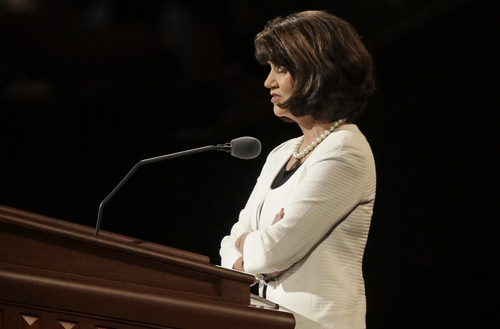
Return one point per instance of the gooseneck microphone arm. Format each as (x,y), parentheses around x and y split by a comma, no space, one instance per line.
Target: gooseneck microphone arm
(143,162)
(243,148)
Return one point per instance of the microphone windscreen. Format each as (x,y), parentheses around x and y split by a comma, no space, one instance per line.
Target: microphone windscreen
(245,147)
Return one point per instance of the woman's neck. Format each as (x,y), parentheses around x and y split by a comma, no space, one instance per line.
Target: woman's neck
(314,133)
(312,129)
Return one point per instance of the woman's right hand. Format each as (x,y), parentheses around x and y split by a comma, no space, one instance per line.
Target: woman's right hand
(238,265)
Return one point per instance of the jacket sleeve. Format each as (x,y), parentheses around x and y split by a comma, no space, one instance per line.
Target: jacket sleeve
(247,220)
(333,185)
(228,251)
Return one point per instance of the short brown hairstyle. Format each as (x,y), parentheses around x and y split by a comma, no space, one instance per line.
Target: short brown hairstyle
(330,67)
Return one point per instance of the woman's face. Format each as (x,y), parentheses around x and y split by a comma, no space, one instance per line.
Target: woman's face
(280,83)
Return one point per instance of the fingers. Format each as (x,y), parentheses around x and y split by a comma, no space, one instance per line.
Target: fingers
(279,216)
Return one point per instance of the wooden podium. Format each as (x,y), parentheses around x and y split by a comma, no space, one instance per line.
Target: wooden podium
(57,274)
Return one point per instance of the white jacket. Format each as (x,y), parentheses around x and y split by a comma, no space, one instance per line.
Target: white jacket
(328,204)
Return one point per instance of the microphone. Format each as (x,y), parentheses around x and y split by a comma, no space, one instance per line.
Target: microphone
(243,148)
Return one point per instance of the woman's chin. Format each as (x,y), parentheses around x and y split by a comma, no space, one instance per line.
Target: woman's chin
(286,119)
(284,115)
(281,113)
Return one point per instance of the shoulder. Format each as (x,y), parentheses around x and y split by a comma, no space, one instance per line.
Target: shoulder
(347,140)
(349,133)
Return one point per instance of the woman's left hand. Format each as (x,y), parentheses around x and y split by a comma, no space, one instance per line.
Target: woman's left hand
(279,216)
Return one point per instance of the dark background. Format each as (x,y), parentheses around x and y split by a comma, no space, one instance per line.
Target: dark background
(89,88)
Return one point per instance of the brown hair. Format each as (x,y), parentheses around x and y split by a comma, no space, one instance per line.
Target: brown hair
(330,67)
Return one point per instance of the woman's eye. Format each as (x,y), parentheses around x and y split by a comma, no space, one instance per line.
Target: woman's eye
(281,69)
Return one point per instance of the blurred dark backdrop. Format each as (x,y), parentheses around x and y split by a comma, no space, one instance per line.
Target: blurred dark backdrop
(89,88)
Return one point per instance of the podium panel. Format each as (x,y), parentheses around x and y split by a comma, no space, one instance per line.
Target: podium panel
(57,274)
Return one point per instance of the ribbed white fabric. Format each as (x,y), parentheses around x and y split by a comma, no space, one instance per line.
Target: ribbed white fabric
(328,205)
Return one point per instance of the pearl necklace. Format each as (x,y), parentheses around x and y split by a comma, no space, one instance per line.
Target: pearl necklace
(299,155)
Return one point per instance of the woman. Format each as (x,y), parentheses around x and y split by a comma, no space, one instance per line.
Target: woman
(304,228)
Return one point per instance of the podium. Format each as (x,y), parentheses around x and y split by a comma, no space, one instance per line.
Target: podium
(57,274)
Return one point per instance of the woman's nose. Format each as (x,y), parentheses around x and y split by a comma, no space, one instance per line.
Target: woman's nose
(270,82)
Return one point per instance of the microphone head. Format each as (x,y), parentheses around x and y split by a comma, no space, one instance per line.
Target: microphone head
(245,147)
